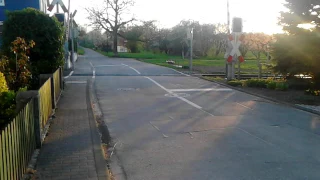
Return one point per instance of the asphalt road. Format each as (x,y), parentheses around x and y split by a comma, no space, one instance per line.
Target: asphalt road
(168,125)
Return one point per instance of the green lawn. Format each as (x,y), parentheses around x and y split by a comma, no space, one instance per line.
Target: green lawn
(160,59)
(142,55)
(80,51)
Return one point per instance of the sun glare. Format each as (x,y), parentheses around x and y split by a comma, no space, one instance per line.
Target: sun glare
(258,15)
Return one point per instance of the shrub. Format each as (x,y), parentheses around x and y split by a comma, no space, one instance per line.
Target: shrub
(3,83)
(185,67)
(300,83)
(312,92)
(260,83)
(7,107)
(16,70)
(272,85)
(46,32)
(291,59)
(282,86)
(81,51)
(234,83)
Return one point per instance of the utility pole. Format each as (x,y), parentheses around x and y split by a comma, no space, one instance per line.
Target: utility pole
(228,22)
(72,38)
(190,37)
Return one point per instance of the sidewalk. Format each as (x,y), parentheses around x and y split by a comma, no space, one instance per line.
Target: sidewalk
(72,148)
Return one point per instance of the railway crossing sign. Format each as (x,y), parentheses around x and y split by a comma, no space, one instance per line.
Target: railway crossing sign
(57,2)
(233,49)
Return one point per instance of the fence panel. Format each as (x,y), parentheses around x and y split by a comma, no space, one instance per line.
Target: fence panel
(45,103)
(17,142)
(57,84)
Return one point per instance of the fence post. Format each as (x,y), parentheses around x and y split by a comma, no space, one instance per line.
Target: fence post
(36,118)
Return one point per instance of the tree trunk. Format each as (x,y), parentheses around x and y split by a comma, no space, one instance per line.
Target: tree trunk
(259,67)
(115,43)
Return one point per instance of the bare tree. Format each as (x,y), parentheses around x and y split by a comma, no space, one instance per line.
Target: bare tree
(257,43)
(110,17)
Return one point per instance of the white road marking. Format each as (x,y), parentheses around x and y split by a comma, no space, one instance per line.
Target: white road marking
(244,106)
(132,68)
(180,72)
(107,65)
(155,82)
(207,113)
(93,74)
(191,103)
(170,75)
(181,98)
(204,90)
(70,74)
(76,82)
(93,71)
(165,136)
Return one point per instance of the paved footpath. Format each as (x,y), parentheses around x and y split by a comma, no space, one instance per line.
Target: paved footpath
(72,150)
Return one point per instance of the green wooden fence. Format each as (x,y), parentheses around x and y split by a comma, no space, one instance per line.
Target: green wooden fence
(17,144)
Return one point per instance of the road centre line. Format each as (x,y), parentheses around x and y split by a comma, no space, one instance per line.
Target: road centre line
(244,106)
(165,136)
(91,65)
(207,89)
(181,98)
(132,68)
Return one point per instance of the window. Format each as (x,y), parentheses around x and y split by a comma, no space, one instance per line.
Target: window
(2,3)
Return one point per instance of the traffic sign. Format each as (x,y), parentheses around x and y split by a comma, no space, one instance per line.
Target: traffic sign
(233,48)
(57,2)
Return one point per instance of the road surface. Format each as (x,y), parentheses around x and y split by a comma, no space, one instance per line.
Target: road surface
(167,125)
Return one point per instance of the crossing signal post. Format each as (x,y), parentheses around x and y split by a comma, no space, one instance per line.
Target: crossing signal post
(233,53)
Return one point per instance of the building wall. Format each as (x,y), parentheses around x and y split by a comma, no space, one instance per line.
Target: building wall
(12,5)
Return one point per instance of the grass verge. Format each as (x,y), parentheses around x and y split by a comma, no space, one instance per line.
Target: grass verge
(80,51)
(249,66)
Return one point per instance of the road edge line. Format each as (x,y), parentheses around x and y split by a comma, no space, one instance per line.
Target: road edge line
(180,72)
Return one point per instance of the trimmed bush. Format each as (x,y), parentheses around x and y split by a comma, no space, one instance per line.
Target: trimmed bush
(259,83)
(234,83)
(3,84)
(282,86)
(47,33)
(272,85)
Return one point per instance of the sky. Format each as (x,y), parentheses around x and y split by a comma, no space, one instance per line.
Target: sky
(258,15)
